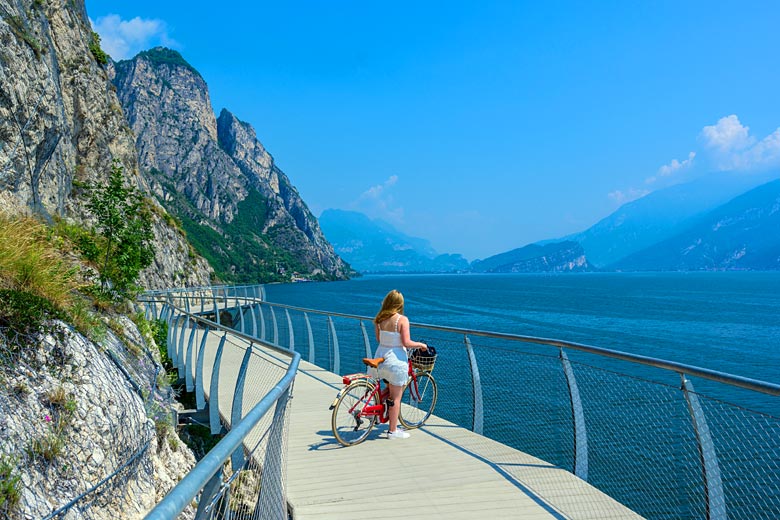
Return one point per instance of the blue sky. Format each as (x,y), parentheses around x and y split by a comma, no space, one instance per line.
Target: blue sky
(481,126)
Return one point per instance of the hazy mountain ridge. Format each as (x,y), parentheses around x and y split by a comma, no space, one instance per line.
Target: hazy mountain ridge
(556,257)
(743,233)
(694,226)
(657,216)
(239,209)
(374,246)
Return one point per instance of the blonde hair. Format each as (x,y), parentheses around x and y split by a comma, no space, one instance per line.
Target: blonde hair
(393,303)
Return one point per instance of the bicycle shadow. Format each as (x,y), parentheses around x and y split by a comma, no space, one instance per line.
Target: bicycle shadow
(329,442)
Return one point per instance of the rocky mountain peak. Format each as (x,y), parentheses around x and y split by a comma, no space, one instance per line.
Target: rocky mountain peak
(238,208)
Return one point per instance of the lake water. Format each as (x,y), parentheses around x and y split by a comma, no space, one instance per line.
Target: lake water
(638,422)
(726,321)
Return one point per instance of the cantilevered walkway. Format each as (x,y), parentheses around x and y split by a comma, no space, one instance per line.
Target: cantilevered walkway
(442,471)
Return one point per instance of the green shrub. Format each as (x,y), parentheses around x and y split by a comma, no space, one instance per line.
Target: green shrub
(94,47)
(125,225)
(10,483)
(25,313)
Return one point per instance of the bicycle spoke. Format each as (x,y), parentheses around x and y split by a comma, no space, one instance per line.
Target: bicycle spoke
(349,425)
(418,400)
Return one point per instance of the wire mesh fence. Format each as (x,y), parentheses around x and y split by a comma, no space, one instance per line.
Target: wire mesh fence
(245,383)
(71,441)
(666,442)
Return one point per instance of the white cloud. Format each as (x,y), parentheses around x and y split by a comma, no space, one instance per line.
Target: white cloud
(668,169)
(378,202)
(123,39)
(731,146)
(727,134)
(621,197)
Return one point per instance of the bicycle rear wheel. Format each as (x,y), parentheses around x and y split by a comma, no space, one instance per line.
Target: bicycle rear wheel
(418,400)
(349,427)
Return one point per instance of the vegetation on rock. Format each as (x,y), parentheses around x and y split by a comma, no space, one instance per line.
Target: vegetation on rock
(125,224)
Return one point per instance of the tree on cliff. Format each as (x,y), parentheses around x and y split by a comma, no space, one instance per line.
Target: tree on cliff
(125,223)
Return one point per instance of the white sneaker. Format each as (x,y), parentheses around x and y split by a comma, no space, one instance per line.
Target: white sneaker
(398,434)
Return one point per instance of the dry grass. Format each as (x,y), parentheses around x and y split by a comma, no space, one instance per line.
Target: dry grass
(30,263)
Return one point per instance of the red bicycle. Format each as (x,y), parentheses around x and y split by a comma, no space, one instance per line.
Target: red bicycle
(364,400)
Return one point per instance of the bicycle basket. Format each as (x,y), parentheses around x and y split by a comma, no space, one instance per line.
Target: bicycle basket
(423,359)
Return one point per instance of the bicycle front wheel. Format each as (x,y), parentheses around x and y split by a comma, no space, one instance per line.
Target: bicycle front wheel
(418,400)
(349,427)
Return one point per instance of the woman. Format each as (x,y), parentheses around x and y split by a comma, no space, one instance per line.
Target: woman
(392,332)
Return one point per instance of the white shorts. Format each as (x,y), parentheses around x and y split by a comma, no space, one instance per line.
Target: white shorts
(395,367)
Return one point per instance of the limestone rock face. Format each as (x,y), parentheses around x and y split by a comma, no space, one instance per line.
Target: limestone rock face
(61,123)
(69,418)
(238,208)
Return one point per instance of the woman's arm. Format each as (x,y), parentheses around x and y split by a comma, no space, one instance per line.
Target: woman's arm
(406,340)
(376,331)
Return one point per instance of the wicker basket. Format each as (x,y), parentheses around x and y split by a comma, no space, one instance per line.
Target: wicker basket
(424,362)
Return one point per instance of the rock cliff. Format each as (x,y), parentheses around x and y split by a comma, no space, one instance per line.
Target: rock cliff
(239,209)
(555,257)
(61,125)
(76,435)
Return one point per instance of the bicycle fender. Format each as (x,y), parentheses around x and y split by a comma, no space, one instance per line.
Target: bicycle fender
(347,380)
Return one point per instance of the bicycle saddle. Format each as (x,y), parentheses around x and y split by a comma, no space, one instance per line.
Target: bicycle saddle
(373,362)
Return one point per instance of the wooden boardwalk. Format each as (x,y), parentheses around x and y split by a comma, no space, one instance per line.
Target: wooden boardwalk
(442,471)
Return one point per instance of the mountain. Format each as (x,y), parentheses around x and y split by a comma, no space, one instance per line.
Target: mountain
(555,257)
(744,233)
(374,246)
(239,210)
(61,125)
(660,215)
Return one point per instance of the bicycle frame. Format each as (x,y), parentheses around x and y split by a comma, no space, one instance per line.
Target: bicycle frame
(377,410)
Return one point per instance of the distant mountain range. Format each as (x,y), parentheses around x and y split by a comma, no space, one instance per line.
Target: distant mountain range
(374,246)
(743,233)
(722,222)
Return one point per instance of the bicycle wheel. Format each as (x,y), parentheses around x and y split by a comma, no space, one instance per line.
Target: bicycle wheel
(348,426)
(418,400)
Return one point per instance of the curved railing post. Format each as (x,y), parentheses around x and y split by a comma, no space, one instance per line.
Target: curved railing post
(291,346)
(236,409)
(254,319)
(578,418)
(215,307)
(336,357)
(200,398)
(276,326)
(262,321)
(366,343)
(713,484)
(164,312)
(173,331)
(477,387)
(180,347)
(242,325)
(189,371)
(311,338)
(214,421)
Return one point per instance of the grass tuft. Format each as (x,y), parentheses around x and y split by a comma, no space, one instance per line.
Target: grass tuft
(30,263)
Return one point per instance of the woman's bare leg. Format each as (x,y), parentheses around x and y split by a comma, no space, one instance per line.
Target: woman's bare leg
(392,412)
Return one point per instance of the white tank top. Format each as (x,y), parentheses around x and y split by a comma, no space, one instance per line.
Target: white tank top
(390,339)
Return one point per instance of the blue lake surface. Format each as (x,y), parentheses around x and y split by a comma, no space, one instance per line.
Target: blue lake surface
(726,321)
(637,418)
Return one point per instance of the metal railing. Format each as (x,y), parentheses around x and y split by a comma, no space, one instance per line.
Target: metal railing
(633,426)
(243,476)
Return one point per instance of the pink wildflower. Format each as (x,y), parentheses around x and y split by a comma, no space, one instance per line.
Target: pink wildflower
(47,418)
